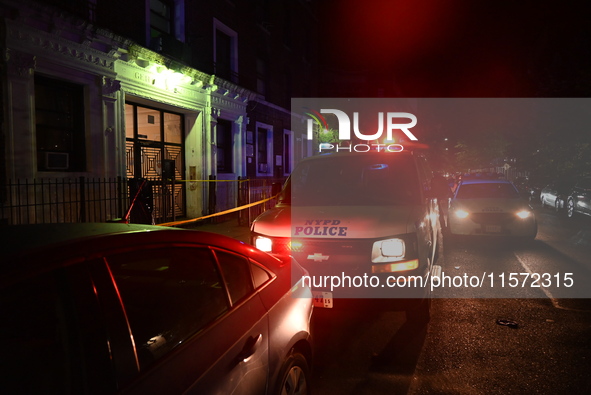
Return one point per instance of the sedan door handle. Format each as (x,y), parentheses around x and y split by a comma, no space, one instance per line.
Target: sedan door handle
(249,348)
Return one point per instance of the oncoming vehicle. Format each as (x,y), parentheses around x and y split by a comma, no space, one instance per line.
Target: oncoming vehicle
(490,208)
(364,225)
(141,309)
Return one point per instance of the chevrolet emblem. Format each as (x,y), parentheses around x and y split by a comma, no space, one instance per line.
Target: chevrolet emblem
(318,257)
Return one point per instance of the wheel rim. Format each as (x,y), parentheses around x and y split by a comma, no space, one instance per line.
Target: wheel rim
(571,208)
(295,382)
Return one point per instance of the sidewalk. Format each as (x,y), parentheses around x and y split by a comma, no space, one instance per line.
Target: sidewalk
(229,228)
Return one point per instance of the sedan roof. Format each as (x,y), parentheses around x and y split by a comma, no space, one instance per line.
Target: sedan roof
(44,246)
(15,238)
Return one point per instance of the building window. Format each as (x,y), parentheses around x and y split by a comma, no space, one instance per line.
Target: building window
(167,26)
(287,151)
(287,28)
(92,10)
(225,52)
(224,146)
(223,49)
(262,13)
(261,76)
(305,147)
(60,128)
(161,17)
(288,90)
(264,144)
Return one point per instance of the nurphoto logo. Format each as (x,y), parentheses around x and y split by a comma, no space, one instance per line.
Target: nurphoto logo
(388,122)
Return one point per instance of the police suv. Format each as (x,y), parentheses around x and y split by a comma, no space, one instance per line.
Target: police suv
(365,225)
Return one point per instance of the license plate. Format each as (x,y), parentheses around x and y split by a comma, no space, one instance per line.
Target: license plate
(492,228)
(322,299)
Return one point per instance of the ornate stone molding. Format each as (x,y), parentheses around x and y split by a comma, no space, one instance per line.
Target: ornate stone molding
(144,57)
(226,102)
(19,63)
(233,91)
(25,37)
(110,86)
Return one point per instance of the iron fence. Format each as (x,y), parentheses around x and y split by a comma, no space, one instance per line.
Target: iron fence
(82,199)
(62,200)
(225,195)
(255,190)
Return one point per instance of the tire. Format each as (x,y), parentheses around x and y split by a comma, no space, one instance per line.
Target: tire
(557,205)
(535,234)
(530,239)
(294,376)
(570,208)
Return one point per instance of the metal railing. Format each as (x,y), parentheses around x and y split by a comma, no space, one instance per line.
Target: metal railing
(62,200)
(255,190)
(82,199)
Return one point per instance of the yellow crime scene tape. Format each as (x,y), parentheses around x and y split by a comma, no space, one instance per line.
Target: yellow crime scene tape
(211,180)
(217,214)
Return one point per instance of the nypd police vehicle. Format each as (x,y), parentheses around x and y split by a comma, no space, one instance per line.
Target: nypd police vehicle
(365,225)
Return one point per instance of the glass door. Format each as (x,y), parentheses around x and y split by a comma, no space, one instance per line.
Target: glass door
(155,152)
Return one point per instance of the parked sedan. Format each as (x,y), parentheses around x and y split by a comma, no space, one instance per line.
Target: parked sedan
(490,207)
(555,195)
(579,199)
(140,309)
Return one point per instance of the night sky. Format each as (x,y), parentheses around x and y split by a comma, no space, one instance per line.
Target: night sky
(462,48)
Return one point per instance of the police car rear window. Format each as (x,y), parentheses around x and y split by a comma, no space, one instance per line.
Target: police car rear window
(355,181)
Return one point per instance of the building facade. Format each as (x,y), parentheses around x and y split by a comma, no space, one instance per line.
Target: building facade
(175,92)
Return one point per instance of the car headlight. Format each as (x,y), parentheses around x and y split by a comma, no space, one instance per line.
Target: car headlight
(461,213)
(390,250)
(523,214)
(263,243)
(394,255)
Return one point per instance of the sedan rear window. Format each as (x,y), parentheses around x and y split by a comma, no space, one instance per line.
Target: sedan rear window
(236,270)
(169,295)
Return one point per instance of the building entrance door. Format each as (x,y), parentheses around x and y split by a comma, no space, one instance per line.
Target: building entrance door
(155,152)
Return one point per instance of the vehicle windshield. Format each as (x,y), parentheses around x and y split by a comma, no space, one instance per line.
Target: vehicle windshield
(490,190)
(354,181)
